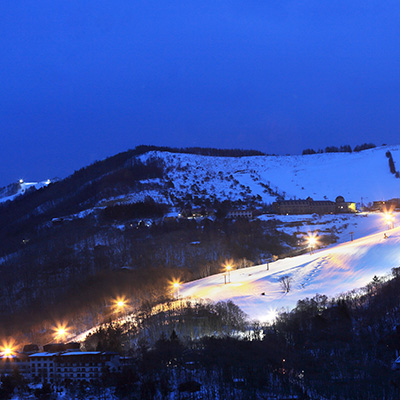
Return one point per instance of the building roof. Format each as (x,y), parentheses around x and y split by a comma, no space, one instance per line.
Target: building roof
(70,353)
(43,354)
(80,353)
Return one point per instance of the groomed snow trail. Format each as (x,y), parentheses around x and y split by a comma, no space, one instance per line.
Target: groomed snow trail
(338,269)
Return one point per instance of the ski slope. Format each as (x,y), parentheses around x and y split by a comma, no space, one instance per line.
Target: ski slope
(14,190)
(331,271)
(337,269)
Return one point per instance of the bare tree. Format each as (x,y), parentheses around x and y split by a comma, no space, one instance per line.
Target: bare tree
(286,282)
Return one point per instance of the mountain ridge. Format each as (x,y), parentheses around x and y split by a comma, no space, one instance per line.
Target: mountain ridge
(74,234)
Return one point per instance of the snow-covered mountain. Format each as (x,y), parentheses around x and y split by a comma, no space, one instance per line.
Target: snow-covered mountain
(360,177)
(341,268)
(75,231)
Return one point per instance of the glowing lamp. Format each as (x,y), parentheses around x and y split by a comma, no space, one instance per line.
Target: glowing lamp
(176,285)
(8,349)
(389,218)
(312,241)
(120,304)
(8,352)
(60,332)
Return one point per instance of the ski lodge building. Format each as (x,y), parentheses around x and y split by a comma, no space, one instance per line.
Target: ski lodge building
(62,365)
(310,206)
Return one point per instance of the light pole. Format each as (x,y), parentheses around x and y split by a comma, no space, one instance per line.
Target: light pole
(228,271)
(312,241)
(176,286)
(389,220)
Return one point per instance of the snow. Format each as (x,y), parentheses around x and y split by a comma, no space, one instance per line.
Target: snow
(361,224)
(23,187)
(80,353)
(336,269)
(134,197)
(341,268)
(43,354)
(358,177)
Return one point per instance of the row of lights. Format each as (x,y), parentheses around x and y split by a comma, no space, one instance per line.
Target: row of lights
(120,303)
(312,242)
(388,217)
(227,278)
(61,330)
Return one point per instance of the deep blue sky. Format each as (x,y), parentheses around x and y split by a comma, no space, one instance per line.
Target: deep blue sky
(82,80)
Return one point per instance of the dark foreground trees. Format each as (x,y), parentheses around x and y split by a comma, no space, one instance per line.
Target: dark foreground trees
(340,348)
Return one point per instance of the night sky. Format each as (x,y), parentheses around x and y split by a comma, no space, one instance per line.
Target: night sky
(83,80)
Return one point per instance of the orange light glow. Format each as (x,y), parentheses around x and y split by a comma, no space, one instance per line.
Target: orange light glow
(60,332)
(175,284)
(7,352)
(120,303)
(389,219)
(312,241)
(8,349)
(228,265)
(175,287)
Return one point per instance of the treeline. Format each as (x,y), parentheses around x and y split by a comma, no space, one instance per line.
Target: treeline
(21,218)
(339,348)
(191,319)
(341,149)
(172,355)
(81,262)
(335,349)
(202,151)
(346,346)
(142,209)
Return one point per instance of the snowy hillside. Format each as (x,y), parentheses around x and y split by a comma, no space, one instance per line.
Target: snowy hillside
(341,268)
(356,176)
(84,213)
(361,177)
(342,225)
(12,191)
